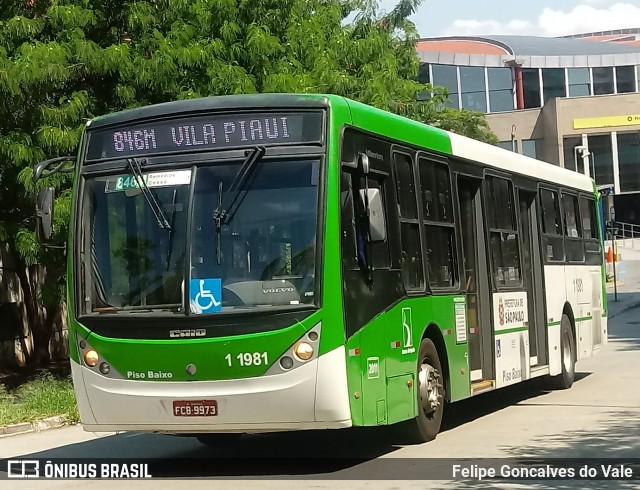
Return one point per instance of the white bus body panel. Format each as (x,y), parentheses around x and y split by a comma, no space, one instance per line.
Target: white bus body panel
(312,396)
(510,313)
(499,158)
(581,287)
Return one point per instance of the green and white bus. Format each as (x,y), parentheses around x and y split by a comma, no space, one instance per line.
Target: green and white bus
(259,263)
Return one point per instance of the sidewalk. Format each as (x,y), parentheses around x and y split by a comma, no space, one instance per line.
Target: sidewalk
(629,283)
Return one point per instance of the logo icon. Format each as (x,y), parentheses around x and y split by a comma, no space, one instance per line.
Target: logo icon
(498,349)
(23,468)
(193,332)
(205,296)
(407,328)
(373,367)
(501,311)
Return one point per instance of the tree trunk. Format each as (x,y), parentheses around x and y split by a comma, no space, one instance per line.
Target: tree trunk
(31,281)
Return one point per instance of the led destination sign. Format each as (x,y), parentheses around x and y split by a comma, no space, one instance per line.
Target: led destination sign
(206,133)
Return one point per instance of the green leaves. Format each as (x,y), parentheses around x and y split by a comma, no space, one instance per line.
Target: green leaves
(70,16)
(28,246)
(64,62)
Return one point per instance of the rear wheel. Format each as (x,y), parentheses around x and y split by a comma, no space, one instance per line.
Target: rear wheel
(565,379)
(220,439)
(430,395)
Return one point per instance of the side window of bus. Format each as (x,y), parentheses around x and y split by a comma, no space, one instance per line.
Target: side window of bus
(354,211)
(439,231)
(592,252)
(412,269)
(552,241)
(572,228)
(503,233)
(379,249)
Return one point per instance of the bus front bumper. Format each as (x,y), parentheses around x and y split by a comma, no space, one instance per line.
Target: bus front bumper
(312,396)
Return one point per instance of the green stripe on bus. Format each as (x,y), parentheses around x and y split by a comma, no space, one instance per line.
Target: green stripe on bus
(511,330)
(552,324)
(583,319)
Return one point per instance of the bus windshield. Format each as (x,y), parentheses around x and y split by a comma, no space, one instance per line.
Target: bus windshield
(259,253)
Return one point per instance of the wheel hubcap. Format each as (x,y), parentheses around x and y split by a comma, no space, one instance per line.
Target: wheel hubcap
(430,388)
(566,353)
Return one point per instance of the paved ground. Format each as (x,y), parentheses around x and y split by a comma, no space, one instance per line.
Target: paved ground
(599,417)
(628,291)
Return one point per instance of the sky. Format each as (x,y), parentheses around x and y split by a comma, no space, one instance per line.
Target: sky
(521,17)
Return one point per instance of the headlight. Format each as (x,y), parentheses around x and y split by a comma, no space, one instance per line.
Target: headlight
(303,350)
(91,358)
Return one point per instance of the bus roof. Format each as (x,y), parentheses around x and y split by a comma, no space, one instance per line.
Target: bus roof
(403,129)
(222,102)
(413,132)
(510,161)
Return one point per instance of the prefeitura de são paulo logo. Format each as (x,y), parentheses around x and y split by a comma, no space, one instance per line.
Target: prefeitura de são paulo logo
(501,311)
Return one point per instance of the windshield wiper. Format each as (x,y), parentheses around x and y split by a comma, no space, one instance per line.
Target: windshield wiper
(156,209)
(171,227)
(222,214)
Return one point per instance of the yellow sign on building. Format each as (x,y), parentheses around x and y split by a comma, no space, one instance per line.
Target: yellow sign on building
(606,122)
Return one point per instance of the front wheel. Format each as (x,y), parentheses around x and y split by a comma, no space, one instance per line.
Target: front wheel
(565,379)
(430,395)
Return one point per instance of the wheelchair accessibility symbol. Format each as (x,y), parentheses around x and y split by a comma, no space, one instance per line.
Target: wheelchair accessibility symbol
(205,296)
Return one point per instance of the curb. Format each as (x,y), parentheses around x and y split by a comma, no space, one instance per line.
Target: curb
(37,426)
(624,309)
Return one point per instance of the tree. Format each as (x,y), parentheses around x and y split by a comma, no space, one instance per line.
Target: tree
(63,62)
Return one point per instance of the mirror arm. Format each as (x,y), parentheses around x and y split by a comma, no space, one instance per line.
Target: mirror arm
(366,168)
(40,168)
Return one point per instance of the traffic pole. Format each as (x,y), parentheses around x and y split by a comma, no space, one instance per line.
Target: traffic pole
(613,242)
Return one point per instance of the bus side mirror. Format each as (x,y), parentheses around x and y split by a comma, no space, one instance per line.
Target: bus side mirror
(377,226)
(44,214)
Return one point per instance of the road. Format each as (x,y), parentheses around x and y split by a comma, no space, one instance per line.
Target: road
(598,417)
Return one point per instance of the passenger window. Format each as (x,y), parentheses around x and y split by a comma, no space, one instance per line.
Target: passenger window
(573,229)
(411,257)
(439,231)
(592,250)
(504,245)
(553,241)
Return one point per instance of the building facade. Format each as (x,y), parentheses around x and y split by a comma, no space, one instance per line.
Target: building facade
(572,101)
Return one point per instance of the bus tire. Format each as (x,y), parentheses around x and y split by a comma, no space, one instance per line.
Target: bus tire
(564,380)
(221,439)
(430,395)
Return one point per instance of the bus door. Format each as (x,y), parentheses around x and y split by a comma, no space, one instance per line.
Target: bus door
(479,330)
(532,277)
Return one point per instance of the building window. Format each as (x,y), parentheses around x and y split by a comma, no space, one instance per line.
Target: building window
(602,159)
(579,84)
(423,74)
(500,89)
(629,161)
(507,145)
(603,80)
(531,86)
(473,89)
(572,161)
(532,148)
(553,84)
(625,79)
(447,76)
(423,77)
